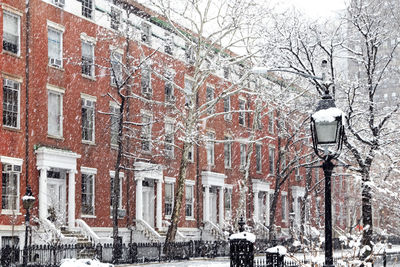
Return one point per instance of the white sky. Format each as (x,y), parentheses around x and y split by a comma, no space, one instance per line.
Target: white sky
(313,8)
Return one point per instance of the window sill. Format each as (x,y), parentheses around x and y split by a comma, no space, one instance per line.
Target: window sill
(12,129)
(91,78)
(10,212)
(190,219)
(5,52)
(89,216)
(91,143)
(229,168)
(55,137)
(114,146)
(56,67)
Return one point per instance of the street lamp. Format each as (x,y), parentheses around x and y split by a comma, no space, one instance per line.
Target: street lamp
(327,133)
(27,201)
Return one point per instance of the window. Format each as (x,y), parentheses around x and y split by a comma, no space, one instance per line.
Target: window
(11,107)
(271,154)
(169,43)
(189,53)
(270,122)
(88,115)
(146,33)
(59,3)
(10,186)
(87,8)
(146,80)
(242,113)
(189,198)
(209,98)
(169,87)
(190,154)
(87,59)
(116,68)
(115,18)
(55,119)
(242,156)
(228,152)
(88,193)
(188,92)
(169,199)
(284,207)
(169,139)
(210,148)
(112,176)
(283,161)
(228,203)
(297,174)
(258,157)
(115,116)
(11,33)
(54,47)
(227,72)
(227,108)
(146,133)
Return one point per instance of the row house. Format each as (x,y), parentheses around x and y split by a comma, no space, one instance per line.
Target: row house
(61,64)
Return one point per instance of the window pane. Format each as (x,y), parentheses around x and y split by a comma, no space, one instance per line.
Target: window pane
(10,103)
(54,114)
(10,181)
(10,33)
(54,44)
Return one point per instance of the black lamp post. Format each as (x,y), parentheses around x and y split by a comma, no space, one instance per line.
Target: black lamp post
(27,201)
(327,134)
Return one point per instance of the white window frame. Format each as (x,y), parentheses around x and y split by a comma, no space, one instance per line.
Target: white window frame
(59,29)
(145,33)
(12,85)
(89,8)
(170,182)
(271,160)
(210,147)
(210,95)
(116,65)
(146,76)
(90,172)
(190,185)
(271,122)
(242,155)
(112,176)
(90,62)
(169,86)
(284,202)
(169,133)
(228,152)
(18,17)
(146,129)
(89,104)
(114,120)
(227,108)
(242,114)
(188,91)
(16,168)
(191,153)
(60,93)
(258,148)
(115,18)
(168,43)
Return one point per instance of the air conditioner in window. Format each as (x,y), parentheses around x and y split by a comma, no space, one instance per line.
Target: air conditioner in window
(55,62)
(298,177)
(9,83)
(121,213)
(228,117)
(59,3)
(171,98)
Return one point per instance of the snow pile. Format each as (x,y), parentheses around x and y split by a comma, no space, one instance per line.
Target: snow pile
(83,263)
(327,115)
(244,235)
(278,249)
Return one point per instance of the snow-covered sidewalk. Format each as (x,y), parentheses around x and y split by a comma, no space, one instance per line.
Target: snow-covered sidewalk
(221,262)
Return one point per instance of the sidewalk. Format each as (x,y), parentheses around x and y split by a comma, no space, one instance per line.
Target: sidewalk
(220,262)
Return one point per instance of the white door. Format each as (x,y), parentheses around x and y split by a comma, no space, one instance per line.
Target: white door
(148,205)
(56,194)
(213,207)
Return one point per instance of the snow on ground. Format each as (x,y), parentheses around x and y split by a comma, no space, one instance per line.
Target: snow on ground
(224,262)
(83,263)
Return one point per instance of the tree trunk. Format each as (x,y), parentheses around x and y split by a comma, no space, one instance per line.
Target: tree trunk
(367,214)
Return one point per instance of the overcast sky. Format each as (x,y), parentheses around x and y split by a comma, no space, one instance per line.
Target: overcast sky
(314,8)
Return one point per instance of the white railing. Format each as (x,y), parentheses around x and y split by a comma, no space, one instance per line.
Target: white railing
(90,234)
(214,230)
(56,233)
(178,233)
(148,231)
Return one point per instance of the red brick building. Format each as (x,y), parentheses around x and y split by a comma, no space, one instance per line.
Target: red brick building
(58,133)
